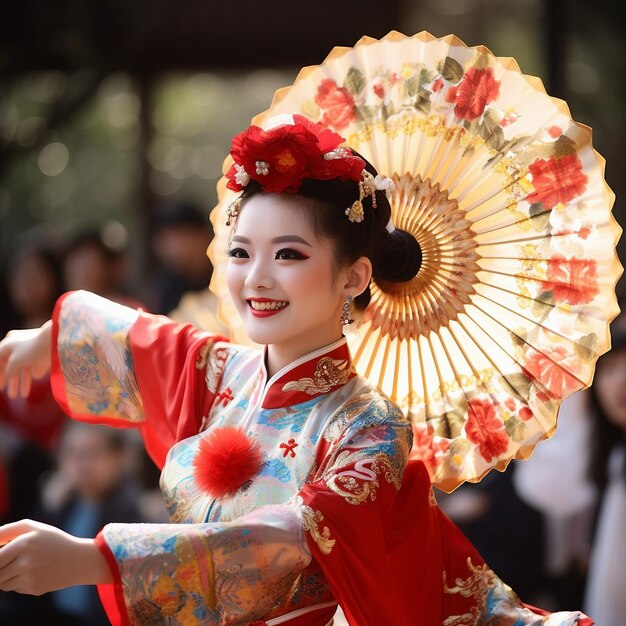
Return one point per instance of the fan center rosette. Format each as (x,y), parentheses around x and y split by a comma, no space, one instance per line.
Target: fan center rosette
(441,288)
(510,308)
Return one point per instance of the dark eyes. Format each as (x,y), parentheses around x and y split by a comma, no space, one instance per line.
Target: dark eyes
(237,253)
(284,254)
(288,254)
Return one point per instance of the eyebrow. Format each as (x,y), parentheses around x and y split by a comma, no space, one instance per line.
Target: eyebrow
(281,239)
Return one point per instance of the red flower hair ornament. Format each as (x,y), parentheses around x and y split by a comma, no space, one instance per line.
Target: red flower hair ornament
(292,150)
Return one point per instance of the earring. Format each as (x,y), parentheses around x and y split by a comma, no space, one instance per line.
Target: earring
(345,318)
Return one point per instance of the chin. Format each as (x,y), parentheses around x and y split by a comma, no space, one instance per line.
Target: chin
(263,336)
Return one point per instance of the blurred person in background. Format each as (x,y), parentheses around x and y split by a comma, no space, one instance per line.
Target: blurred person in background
(92,487)
(578,480)
(181,283)
(96,260)
(179,242)
(606,583)
(30,426)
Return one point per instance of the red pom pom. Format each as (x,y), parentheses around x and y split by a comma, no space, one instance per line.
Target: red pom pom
(225,460)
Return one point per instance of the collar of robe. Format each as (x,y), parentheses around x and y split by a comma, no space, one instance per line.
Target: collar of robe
(314,374)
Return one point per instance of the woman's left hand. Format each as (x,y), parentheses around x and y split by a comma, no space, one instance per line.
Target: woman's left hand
(36,558)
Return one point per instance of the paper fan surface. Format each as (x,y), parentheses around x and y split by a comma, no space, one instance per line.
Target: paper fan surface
(506,196)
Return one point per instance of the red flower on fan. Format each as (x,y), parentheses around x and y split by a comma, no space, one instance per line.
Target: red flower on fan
(485,429)
(337,103)
(557,180)
(574,280)
(552,368)
(475,91)
(425,448)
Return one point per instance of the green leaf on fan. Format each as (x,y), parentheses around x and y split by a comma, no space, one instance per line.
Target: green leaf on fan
(491,131)
(521,383)
(355,81)
(422,101)
(515,429)
(587,346)
(543,303)
(518,337)
(540,217)
(536,208)
(412,85)
(450,69)
(563,146)
(426,76)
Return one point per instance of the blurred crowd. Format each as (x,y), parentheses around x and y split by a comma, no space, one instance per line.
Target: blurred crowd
(553,527)
(74,475)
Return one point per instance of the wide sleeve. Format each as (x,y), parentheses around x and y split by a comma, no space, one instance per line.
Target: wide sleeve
(347,507)
(123,367)
(386,549)
(92,375)
(217,573)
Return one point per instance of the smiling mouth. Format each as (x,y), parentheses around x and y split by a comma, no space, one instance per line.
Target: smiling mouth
(265,308)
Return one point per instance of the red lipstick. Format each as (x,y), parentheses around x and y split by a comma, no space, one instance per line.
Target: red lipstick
(266,312)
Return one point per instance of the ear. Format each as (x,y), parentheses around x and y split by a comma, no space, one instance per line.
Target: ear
(358,276)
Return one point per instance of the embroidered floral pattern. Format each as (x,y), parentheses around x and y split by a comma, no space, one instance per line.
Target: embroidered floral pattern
(494,603)
(360,482)
(311,519)
(328,373)
(95,358)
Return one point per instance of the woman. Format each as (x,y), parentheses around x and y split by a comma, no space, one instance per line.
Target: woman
(282,468)
(607,570)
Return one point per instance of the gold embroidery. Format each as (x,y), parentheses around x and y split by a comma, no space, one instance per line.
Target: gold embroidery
(310,520)
(432,500)
(481,583)
(214,360)
(360,483)
(203,354)
(328,373)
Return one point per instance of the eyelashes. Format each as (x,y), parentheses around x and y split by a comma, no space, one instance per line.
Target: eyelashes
(289,254)
(237,253)
(284,254)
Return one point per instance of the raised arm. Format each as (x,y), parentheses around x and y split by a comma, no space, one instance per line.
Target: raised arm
(114,365)
(24,355)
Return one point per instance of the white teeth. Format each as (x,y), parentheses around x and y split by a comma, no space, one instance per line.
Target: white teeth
(264,306)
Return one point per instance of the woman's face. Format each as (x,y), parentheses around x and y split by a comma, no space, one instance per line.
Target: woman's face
(610,386)
(282,277)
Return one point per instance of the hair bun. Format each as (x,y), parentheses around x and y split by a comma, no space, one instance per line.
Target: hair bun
(399,257)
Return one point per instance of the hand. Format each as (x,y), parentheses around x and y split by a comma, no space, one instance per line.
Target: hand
(24,355)
(37,558)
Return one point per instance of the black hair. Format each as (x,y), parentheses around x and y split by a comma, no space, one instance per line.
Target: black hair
(396,256)
(605,435)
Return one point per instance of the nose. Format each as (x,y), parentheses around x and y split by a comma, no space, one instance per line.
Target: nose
(259,275)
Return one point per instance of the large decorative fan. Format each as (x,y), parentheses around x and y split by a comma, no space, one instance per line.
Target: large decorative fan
(506,196)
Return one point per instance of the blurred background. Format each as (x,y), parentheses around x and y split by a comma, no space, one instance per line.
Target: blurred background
(115,118)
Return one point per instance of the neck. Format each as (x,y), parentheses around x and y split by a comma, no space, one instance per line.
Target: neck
(278,356)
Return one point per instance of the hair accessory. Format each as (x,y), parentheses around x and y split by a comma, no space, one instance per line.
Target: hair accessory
(345,318)
(232,211)
(290,151)
(280,158)
(367,187)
